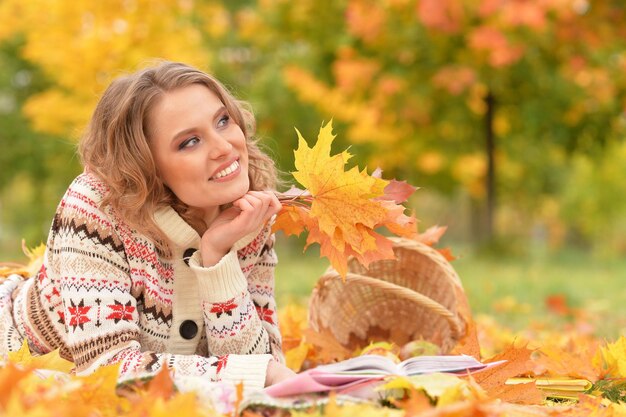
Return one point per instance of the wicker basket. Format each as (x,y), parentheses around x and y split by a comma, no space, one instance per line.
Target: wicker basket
(417,296)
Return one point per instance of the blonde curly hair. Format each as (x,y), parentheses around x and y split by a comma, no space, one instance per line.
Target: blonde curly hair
(115,146)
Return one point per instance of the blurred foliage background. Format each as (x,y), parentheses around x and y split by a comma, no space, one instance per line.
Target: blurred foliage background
(510,115)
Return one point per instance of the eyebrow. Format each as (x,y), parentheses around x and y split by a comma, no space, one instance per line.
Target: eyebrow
(191,129)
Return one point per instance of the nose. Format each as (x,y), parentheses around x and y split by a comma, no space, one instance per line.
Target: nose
(220,147)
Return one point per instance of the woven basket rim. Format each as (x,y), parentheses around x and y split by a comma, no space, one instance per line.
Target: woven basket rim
(455,316)
(405,293)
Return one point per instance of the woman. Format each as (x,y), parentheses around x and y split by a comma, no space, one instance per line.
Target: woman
(161,252)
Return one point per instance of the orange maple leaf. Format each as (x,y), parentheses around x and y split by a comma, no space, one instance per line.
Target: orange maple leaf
(518,362)
(10,375)
(161,386)
(557,304)
(574,359)
(341,209)
(396,191)
(327,348)
(432,235)
(291,220)
(468,345)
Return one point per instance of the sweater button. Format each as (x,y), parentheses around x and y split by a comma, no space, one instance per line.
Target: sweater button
(188,253)
(188,329)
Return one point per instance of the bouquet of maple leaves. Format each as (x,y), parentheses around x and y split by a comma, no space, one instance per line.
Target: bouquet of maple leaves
(342,209)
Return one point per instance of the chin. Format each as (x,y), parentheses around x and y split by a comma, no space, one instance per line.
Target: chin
(238,191)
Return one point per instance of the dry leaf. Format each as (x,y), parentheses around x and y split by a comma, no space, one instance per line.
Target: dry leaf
(184,404)
(612,358)
(10,376)
(468,345)
(291,220)
(343,208)
(295,357)
(431,235)
(35,260)
(415,403)
(518,362)
(292,320)
(396,191)
(51,361)
(239,396)
(574,360)
(161,386)
(447,254)
(99,391)
(35,257)
(444,388)
(327,348)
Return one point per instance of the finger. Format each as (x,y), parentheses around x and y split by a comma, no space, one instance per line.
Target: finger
(263,197)
(271,205)
(230,213)
(275,204)
(251,215)
(254,200)
(261,202)
(257,210)
(243,204)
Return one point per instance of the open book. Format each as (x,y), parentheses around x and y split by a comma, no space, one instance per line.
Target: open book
(356,372)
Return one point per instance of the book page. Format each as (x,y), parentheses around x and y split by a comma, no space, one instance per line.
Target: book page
(450,364)
(364,372)
(361,365)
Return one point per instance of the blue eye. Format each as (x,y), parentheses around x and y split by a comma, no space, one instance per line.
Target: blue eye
(188,143)
(223,121)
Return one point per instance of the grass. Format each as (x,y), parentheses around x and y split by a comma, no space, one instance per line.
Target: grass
(297,271)
(514,290)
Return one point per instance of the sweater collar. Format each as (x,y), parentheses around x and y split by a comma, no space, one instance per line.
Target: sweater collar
(176,229)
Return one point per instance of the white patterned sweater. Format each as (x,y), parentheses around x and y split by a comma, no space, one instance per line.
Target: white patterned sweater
(104,295)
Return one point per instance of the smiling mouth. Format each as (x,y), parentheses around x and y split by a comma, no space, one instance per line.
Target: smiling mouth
(226,171)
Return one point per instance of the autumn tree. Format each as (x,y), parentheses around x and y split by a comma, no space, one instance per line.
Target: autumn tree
(490,96)
(56,59)
(493,95)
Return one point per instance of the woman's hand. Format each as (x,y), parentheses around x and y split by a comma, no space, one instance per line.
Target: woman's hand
(277,372)
(246,215)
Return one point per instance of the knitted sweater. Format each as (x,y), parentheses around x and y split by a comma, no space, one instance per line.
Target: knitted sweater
(105,295)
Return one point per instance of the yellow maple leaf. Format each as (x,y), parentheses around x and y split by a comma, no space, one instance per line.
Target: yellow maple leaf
(10,376)
(445,388)
(295,357)
(35,257)
(612,358)
(292,320)
(336,409)
(51,361)
(343,207)
(184,404)
(100,391)
(341,199)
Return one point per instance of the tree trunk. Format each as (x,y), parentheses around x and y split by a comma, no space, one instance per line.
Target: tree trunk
(490,186)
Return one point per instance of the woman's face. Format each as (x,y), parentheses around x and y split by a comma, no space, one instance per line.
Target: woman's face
(200,152)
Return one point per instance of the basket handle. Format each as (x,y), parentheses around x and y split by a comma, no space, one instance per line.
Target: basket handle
(402,292)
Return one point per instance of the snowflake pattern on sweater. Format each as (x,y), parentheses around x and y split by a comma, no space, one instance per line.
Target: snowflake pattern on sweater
(105,295)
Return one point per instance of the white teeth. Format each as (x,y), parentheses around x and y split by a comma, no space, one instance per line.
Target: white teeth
(227,170)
